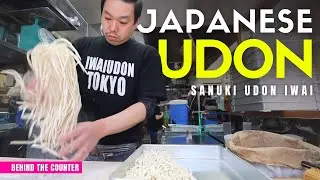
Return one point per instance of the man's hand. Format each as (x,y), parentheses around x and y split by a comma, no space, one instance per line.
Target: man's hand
(87,134)
(80,141)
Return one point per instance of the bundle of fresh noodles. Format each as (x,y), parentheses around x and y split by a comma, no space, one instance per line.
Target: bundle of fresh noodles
(53,102)
(158,165)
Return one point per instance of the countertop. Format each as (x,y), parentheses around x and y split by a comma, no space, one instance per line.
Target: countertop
(92,170)
(102,170)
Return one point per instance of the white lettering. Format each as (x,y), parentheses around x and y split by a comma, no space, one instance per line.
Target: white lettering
(193,90)
(264,90)
(214,26)
(202,91)
(247,90)
(227,90)
(285,90)
(267,17)
(116,69)
(124,68)
(22,167)
(219,90)
(131,70)
(88,61)
(304,90)
(105,66)
(93,63)
(255,90)
(210,90)
(103,84)
(294,90)
(273,90)
(107,83)
(121,86)
(264,21)
(175,26)
(100,64)
(42,167)
(239,18)
(153,13)
(110,66)
(286,20)
(64,167)
(96,80)
(113,80)
(90,74)
(190,25)
(302,20)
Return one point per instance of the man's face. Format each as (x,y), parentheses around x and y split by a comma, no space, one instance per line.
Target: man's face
(117,21)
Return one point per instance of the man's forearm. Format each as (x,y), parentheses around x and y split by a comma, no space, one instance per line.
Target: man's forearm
(123,120)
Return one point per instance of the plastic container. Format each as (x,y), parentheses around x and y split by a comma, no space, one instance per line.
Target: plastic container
(178,111)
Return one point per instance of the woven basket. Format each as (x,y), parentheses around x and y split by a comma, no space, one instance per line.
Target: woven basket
(272,149)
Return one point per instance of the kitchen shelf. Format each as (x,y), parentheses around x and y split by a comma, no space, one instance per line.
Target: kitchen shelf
(11,54)
(65,17)
(57,21)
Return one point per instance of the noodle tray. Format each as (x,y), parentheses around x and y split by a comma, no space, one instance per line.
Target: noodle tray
(206,162)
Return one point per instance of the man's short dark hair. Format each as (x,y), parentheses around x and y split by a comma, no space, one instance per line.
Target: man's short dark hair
(137,7)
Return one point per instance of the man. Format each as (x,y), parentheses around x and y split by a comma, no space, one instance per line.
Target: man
(155,124)
(123,86)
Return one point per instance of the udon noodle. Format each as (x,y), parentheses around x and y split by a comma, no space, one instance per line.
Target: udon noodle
(158,165)
(54,102)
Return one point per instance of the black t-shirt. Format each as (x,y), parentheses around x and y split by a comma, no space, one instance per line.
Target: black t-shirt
(153,123)
(119,76)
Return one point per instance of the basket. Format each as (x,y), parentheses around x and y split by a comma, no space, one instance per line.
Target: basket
(272,149)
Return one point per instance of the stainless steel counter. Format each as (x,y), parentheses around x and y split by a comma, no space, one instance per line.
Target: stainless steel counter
(206,162)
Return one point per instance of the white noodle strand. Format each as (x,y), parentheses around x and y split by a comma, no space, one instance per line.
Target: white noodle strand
(54,103)
(158,165)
